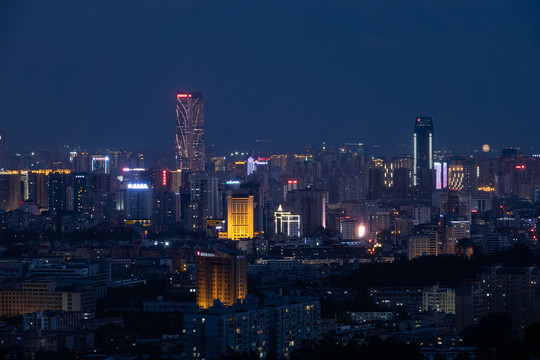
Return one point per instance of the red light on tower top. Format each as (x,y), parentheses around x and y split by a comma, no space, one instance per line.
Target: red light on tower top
(183,95)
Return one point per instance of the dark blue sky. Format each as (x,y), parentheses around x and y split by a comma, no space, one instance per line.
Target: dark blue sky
(105,73)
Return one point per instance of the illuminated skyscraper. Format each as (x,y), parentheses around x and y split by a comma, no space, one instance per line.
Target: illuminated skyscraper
(100,164)
(139,204)
(189,141)
(221,276)
(240,217)
(423,149)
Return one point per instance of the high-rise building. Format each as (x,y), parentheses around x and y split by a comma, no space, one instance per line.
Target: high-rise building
(81,193)
(35,187)
(240,217)
(10,191)
(310,204)
(3,164)
(139,204)
(286,223)
(190,152)
(100,164)
(401,183)
(221,276)
(57,192)
(423,149)
(204,203)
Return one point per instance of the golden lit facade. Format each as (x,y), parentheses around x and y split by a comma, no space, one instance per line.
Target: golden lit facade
(29,297)
(456,177)
(221,276)
(422,245)
(240,223)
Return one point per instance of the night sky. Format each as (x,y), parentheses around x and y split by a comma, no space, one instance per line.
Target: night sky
(105,73)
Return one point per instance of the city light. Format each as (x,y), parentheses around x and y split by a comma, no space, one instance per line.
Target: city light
(361,231)
(138,186)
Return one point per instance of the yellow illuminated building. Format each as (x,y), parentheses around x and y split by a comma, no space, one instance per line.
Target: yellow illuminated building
(486,189)
(221,276)
(422,245)
(29,297)
(455,177)
(240,217)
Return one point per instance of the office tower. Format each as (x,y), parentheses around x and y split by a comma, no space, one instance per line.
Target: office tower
(57,192)
(3,164)
(164,209)
(81,193)
(423,149)
(139,204)
(240,217)
(100,164)
(204,204)
(311,206)
(286,223)
(190,152)
(402,183)
(102,198)
(10,191)
(375,183)
(350,188)
(221,276)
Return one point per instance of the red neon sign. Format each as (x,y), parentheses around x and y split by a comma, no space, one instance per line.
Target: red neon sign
(164,177)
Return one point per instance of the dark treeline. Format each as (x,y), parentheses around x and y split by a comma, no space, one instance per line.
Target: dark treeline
(428,270)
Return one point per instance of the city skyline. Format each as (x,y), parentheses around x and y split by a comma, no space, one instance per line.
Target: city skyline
(287,180)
